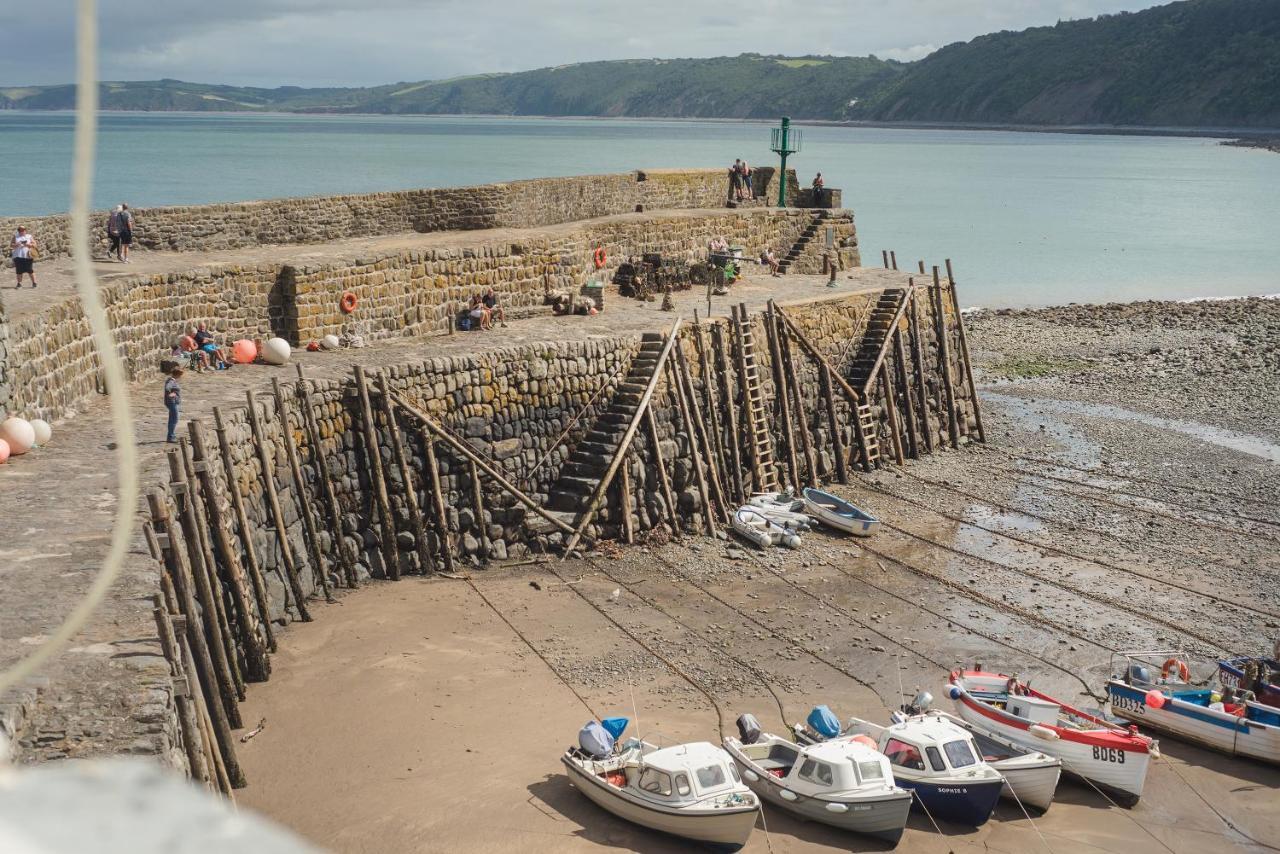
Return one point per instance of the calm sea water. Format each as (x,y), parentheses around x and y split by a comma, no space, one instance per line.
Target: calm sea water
(1029,219)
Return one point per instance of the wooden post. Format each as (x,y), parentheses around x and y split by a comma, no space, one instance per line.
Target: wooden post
(944,355)
(964,349)
(739,350)
(717,489)
(624,488)
(277,515)
(200,553)
(891,412)
(687,419)
(903,381)
(921,267)
(425,564)
(709,404)
(257,665)
(781,395)
(833,424)
(917,352)
(734,450)
(797,394)
(332,508)
(885,255)
(192,741)
(477,508)
(213,687)
(252,566)
(373,459)
(893,260)
(661,465)
(305,509)
(437,498)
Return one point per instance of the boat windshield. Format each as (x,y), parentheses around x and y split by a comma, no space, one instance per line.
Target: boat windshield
(904,755)
(816,772)
(655,782)
(710,777)
(870,771)
(959,754)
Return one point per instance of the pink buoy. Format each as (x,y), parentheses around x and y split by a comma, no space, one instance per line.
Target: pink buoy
(244,351)
(4,450)
(1155,699)
(18,434)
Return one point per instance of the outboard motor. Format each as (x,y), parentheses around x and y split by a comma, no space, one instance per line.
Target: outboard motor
(822,721)
(595,740)
(748,728)
(920,704)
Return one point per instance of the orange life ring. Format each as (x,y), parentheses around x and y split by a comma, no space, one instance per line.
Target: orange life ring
(1183,673)
(348,302)
(600,257)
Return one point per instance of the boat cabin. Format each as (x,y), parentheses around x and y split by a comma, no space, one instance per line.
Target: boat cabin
(829,766)
(924,744)
(688,772)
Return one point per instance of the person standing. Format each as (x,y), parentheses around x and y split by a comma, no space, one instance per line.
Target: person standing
(113,233)
(124,226)
(746,180)
(24,248)
(735,180)
(172,401)
(818,184)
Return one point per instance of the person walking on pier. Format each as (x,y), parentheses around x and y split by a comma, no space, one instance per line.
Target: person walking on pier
(172,401)
(124,226)
(24,249)
(113,233)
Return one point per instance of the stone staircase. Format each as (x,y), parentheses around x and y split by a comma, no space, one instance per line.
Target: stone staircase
(802,242)
(877,339)
(590,459)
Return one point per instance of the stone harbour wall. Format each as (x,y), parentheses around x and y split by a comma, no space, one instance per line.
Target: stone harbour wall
(319,219)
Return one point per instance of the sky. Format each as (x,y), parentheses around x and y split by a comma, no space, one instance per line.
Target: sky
(370,42)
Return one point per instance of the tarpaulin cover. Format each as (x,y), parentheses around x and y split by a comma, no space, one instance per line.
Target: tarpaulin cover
(749,728)
(824,722)
(615,726)
(595,740)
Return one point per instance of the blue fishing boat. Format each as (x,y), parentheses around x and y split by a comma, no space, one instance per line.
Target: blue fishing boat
(1259,675)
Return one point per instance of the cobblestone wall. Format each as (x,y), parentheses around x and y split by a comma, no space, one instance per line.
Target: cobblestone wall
(318,219)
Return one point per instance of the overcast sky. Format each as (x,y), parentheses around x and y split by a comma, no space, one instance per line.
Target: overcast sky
(365,42)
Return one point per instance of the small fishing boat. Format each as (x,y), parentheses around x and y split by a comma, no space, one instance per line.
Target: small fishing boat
(1226,721)
(782,508)
(1110,757)
(1260,675)
(692,791)
(845,784)
(756,528)
(939,763)
(839,514)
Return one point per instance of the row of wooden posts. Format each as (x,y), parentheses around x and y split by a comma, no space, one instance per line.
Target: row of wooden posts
(213,613)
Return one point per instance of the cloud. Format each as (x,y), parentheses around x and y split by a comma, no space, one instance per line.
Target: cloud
(338,42)
(907,54)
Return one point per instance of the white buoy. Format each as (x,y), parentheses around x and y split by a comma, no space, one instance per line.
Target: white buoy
(19,433)
(43,432)
(276,351)
(330,342)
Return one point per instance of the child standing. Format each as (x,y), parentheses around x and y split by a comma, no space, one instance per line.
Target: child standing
(172,400)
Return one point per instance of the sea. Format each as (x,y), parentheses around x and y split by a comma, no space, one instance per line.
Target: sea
(1027,219)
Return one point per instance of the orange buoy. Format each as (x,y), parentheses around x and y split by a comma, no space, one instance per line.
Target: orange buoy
(601,257)
(348,302)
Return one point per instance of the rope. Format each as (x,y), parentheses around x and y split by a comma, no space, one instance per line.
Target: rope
(1018,801)
(112,369)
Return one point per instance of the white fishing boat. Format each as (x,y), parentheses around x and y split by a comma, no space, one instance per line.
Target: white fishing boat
(1110,757)
(1227,720)
(756,528)
(782,508)
(692,791)
(837,513)
(844,784)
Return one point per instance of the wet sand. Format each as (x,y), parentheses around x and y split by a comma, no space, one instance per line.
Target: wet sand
(429,715)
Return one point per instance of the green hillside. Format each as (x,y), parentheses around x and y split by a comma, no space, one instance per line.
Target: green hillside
(1197,63)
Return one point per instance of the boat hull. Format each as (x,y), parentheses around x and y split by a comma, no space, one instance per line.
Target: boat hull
(1121,773)
(1231,675)
(967,803)
(1030,784)
(883,816)
(725,829)
(817,504)
(1192,722)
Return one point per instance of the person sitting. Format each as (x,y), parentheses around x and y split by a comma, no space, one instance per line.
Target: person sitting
(205,341)
(197,358)
(480,318)
(769,259)
(818,185)
(495,310)
(718,246)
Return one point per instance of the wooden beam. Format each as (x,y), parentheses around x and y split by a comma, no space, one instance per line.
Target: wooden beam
(332,508)
(305,508)
(734,450)
(944,355)
(437,497)
(597,495)
(686,418)
(712,413)
(850,393)
(891,413)
(717,488)
(425,563)
(903,381)
(782,395)
(797,395)
(477,508)
(964,348)
(373,459)
(917,351)
(661,465)
(833,423)
(189,725)
(624,489)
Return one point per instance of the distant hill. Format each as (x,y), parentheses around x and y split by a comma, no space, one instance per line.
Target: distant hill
(1197,63)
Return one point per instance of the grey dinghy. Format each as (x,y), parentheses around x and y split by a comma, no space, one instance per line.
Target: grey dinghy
(844,783)
(692,790)
(837,513)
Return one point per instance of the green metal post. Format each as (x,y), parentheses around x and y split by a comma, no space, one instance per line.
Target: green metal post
(782,173)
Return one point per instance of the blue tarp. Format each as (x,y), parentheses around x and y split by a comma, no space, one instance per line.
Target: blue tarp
(824,722)
(615,726)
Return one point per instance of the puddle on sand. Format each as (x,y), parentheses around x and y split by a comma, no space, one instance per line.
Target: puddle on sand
(1243,442)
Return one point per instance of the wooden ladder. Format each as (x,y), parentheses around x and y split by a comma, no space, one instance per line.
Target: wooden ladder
(867,436)
(764,472)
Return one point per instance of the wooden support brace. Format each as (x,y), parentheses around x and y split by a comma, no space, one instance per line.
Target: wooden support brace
(917,351)
(437,497)
(700,428)
(902,382)
(425,563)
(733,449)
(797,395)
(833,424)
(373,459)
(964,349)
(332,509)
(782,395)
(686,418)
(305,509)
(661,465)
(192,739)
(944,355)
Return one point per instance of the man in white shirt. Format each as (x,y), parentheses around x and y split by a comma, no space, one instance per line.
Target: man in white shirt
(24,251)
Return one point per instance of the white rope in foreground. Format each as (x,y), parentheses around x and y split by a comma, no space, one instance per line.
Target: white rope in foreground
(104,344)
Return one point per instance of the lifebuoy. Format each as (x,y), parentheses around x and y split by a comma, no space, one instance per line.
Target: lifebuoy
(600,257)
(348,302)
(1183,673)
